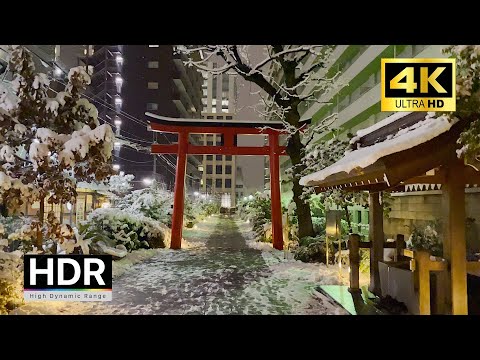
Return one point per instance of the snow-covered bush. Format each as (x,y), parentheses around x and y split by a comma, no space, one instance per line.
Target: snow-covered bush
(259,211)
(112,227)
(11,279)
(197,208)
(426,238)
(48,144)
(314,249)
(153,202)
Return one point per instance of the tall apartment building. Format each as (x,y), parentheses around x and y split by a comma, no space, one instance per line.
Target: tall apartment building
(219,102)
(127,81)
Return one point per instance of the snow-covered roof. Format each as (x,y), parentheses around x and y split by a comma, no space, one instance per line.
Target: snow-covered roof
(406,138)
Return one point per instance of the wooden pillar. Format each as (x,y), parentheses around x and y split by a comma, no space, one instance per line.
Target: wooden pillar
(376,239)
(179,194)
(422,266)
(399,245)
(277,233)
(354,256)
(454,243)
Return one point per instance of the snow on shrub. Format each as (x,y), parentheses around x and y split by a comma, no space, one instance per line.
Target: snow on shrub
(153,202)
(113,228)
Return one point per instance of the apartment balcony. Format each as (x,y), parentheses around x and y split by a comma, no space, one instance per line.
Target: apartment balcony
(183,81)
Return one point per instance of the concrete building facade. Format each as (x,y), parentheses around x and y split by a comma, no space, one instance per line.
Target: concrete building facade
(219,172)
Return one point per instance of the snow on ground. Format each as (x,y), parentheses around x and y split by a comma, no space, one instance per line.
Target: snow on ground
(291,280)
(215,273)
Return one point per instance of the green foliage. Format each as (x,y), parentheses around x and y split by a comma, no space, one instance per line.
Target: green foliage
(426,238)
(314,249)
(468,98)
(319,225)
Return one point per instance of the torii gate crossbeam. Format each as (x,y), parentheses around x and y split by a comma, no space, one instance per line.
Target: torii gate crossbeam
(229,129)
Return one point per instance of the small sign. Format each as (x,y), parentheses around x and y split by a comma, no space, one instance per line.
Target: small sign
(67,278)
(418,84)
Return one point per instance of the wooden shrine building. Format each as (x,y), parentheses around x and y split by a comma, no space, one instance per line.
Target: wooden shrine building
(405,149)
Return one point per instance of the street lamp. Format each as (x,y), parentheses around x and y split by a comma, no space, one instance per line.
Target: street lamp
(147,181)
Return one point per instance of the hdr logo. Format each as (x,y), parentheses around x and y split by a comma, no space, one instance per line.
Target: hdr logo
(68,277)
(418,85)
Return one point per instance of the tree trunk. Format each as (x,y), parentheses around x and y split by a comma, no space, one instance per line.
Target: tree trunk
(294,150)
(347,217)
(41,215)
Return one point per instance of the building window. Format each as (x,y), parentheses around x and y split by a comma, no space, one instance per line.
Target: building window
(219,138)
(218,183)
(359,216)
(153,64)
(209,143)
(218,157)
(228,183)
(228,169)
(210,157)
(209,169)
(219,117)
(152,85)
(209,183)
(209,117)
(153,46)
(152,106)
(218,169)
(228,157)
(239,186)
(229,117)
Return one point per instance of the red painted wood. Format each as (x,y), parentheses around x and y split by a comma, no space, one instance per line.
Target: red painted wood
(213,129)
(216,150)
(179,195)
(277,229)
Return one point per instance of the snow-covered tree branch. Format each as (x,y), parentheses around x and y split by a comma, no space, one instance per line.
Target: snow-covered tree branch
(48,144)
(290,75)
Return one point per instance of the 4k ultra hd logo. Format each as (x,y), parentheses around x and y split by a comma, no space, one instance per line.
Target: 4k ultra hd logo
(418,85)
(68,277)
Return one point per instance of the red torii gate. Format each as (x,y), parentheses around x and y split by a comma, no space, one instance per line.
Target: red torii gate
(229,129)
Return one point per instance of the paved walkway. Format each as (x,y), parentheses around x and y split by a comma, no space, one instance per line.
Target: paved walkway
(221,275)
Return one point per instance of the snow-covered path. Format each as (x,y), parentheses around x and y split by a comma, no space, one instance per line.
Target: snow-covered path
(217,274)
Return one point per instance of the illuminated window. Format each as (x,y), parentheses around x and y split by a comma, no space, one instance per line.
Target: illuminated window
(153,64)
(152,85)
(153,46)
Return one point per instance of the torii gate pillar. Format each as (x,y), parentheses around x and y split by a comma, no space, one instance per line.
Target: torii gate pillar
(179,195)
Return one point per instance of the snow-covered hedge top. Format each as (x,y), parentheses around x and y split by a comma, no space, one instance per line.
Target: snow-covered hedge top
(406,138)
(116,219)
